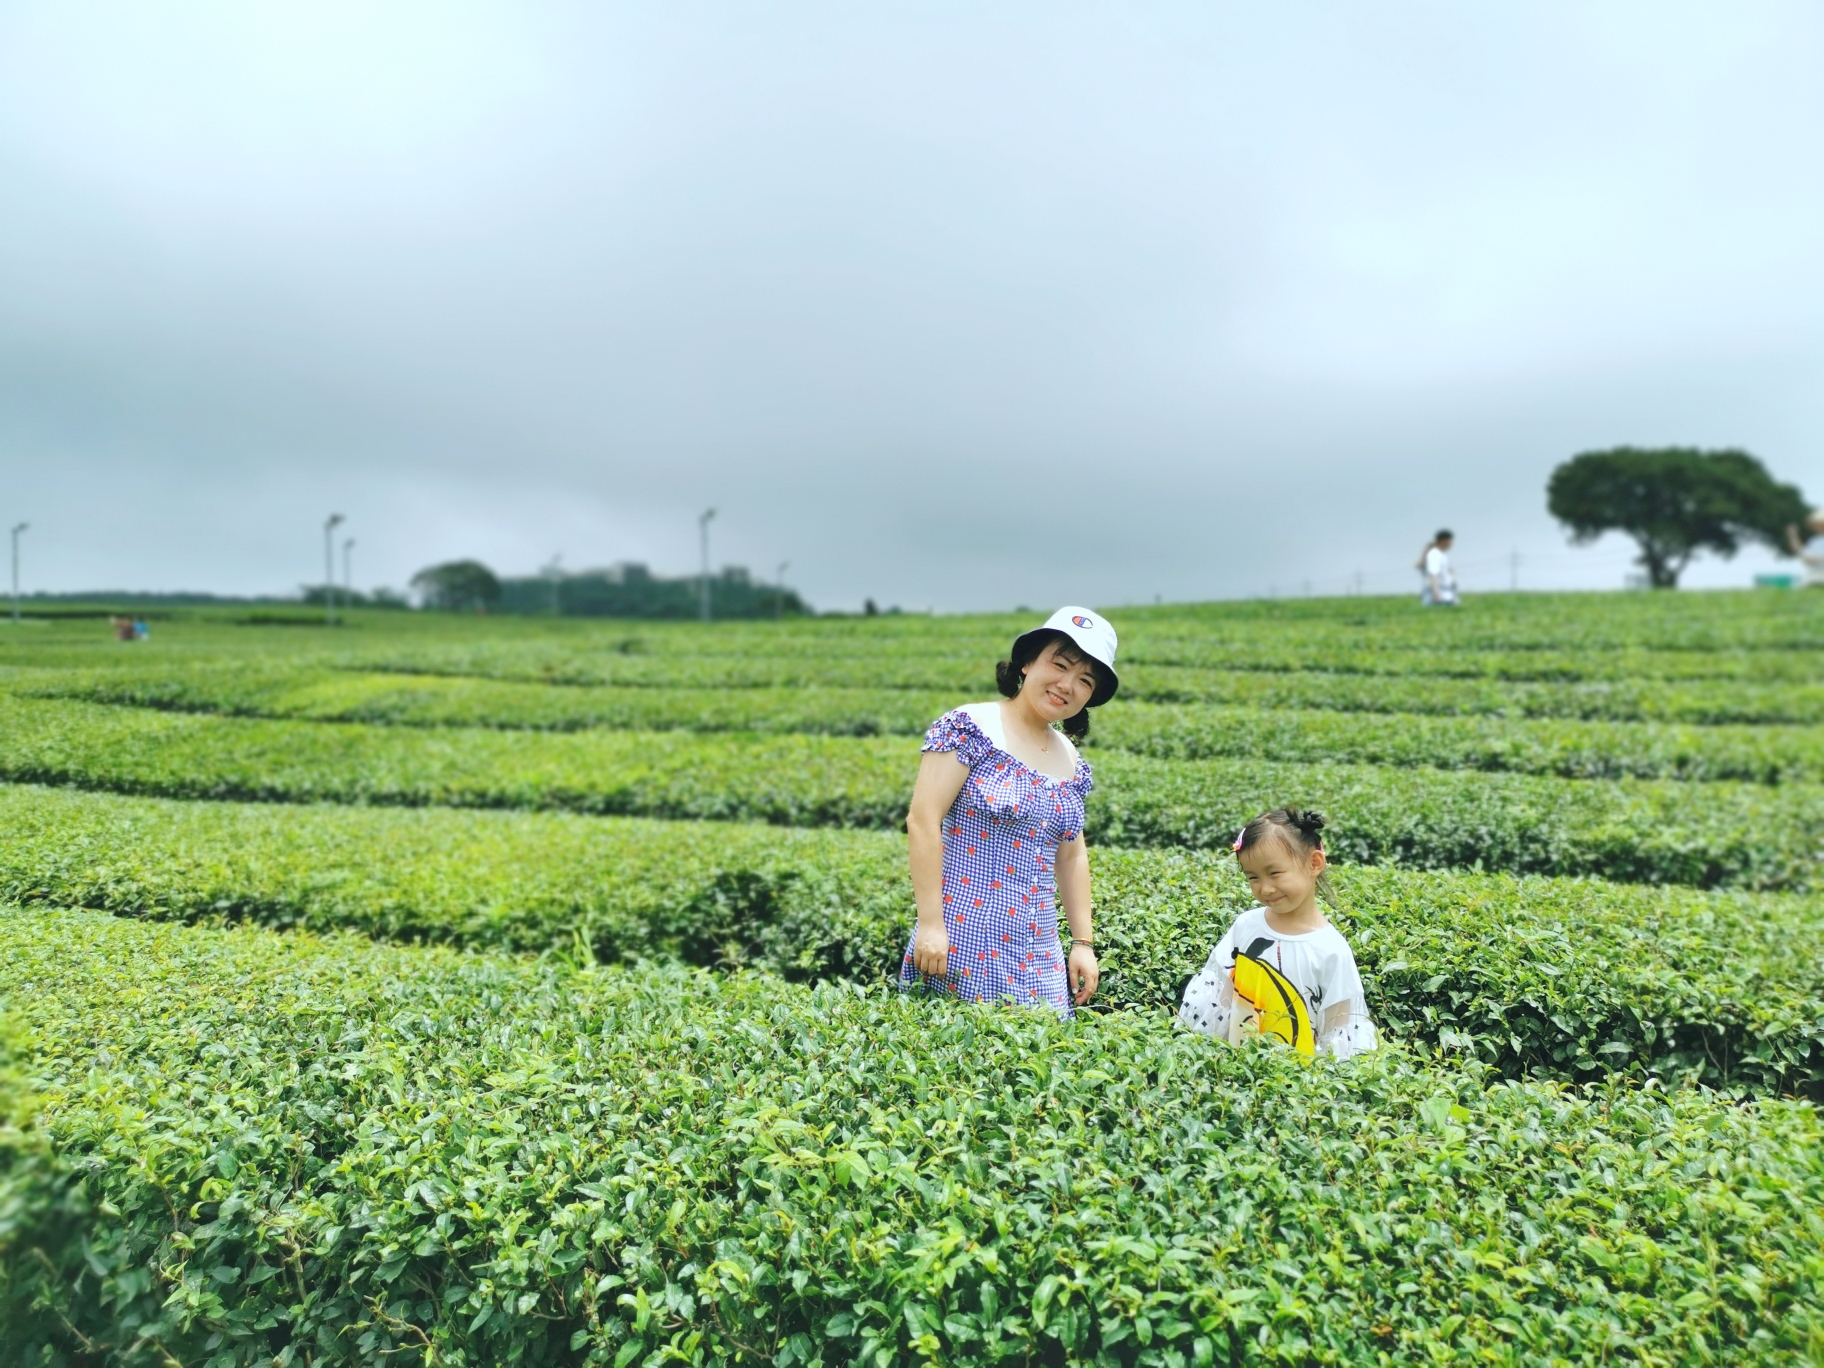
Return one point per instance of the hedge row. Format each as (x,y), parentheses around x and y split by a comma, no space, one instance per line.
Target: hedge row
(1634,830)
(806,902)
(1567,638)
(1699,702)
(1725,621)
(1357,653)
(1574,978)
(1564,748)
(301,682)
(464,701)
(342,1153)
(1570,749)
(1708,633)
(962,660)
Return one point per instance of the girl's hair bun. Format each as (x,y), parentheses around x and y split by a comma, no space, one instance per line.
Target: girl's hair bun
(1307,820)
(1301,826)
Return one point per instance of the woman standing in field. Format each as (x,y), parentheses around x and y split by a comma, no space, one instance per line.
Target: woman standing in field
(997,818)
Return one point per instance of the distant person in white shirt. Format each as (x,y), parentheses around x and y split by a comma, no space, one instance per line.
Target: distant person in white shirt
(1440,585)
(1813,563)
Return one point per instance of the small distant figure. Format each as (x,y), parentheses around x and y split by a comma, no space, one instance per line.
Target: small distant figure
(1440,584)
(141,631)
(1814,563)
(123,629)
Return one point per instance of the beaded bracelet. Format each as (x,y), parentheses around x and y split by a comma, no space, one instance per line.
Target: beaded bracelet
(1078,940)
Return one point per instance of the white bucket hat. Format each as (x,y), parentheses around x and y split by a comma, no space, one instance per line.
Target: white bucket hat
(1094,636)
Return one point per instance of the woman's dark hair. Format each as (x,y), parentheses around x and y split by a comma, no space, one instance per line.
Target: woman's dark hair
(1009,675)
(1300,828)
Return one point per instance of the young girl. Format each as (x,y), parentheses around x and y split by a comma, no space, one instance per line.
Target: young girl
(1283,970)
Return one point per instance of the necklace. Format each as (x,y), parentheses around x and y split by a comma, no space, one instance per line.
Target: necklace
(1044,738)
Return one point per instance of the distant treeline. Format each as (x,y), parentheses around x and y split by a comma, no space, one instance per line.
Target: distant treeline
(628,590)
(89,598)
(631,591)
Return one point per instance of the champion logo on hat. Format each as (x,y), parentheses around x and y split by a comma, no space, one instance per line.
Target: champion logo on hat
(1082,621)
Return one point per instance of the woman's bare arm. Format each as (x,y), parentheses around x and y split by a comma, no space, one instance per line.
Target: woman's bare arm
(940,778)
(1073,891)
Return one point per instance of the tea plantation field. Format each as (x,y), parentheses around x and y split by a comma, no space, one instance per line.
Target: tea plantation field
(473,992)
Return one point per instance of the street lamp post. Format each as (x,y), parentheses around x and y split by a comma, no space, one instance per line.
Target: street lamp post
(348,580)
(16,531)
(334,521)
(703,532)
(779,598)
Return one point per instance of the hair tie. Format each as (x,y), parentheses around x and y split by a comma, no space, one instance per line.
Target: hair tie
(1239,837)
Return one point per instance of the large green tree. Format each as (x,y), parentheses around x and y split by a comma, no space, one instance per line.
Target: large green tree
(458,586)
(1674,502)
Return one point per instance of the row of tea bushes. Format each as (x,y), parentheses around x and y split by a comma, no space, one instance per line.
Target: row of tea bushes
(1569,749)
(342,1153)
(1709,635)
(964,661)
(805,902)
(1573,978)
(1701,702)
(1732,636)
(1698,702)
(1694,702)
(1634,830)
(870,675)
(319,695)
(1564,748)
(1574,623)
(1349,657)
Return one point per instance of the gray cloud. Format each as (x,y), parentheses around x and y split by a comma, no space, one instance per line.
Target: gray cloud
(952,307)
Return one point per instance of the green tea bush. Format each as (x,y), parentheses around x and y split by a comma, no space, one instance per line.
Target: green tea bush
(1570,749)
(804,903)
(791,780)
(460,701)
(338,1153)
(1327,652)
(1568,977)
(1696,702)
(1693,634)
(44,1223)
(1726,622)
(1638,831)
(1635,830)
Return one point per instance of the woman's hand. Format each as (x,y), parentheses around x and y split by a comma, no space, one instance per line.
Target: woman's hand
(931,948)
(1083,974)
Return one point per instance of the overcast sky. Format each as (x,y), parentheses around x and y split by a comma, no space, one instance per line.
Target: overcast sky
(954,305)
